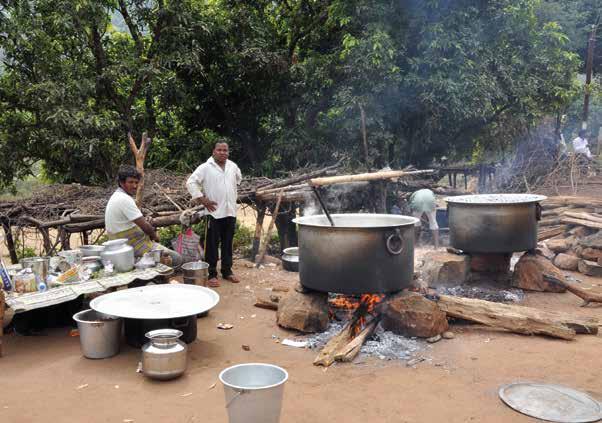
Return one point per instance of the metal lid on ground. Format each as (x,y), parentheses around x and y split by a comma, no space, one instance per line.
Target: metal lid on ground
(496,199)
(157,302)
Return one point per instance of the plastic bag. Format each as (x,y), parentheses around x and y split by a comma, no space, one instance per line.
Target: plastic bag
(188,245)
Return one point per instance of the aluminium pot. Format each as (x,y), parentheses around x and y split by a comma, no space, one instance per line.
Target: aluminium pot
(290,259)
(362,253)
(120,253)
(494,223)
(165,356)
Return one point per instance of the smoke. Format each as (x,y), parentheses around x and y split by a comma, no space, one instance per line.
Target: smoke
(338,198)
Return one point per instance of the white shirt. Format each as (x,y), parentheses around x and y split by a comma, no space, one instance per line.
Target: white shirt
(121,211)
(217,184)
(580,147)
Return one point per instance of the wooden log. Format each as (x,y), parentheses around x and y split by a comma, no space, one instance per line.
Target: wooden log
(552,221)
(557,211)
(291,196)
(285,189)
(85,226)
(270,302)
(523,320)
(581,222)
(376,176)
(301,178)
(349,351)
(327,355)
(551,232)
(263,248)
(77,218)
(585,295)
(584,216)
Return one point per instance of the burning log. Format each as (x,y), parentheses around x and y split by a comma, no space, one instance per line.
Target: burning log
(347,343)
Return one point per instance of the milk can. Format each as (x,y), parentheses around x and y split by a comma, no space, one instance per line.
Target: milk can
(165,356)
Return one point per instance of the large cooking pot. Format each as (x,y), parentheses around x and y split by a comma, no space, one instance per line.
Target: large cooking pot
(362,253)
(494,223)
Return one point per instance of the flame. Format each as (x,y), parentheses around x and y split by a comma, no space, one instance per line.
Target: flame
(366,301)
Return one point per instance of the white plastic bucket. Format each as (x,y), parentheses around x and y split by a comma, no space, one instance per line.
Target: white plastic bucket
(254,392)
(99,334)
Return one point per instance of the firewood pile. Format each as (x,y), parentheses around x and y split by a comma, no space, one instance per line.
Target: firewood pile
(570,233)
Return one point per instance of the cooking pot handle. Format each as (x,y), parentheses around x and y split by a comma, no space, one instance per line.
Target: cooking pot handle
(392,240)
(537,212)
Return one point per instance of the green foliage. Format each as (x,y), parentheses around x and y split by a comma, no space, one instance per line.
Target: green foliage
(24,252)
(284,82)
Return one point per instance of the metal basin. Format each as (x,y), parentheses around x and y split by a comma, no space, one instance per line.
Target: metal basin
(362,253)
(494,223)
(91,250)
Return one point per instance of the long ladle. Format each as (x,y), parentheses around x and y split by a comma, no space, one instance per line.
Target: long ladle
(323,206)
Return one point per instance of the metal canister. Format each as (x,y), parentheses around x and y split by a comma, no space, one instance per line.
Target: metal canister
(165,356)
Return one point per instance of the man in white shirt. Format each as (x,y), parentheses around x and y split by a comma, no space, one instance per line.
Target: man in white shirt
(214,185)
(580,144)
(123,218)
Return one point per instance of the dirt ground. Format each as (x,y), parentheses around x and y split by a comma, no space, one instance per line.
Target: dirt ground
(45,378)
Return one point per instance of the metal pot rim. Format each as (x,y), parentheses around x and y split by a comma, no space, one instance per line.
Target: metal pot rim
(387,221)
(495,199)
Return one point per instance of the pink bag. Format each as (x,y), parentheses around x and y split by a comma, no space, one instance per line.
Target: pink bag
(188,245)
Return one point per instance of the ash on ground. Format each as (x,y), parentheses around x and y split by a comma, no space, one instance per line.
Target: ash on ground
(493,294)
(383,344)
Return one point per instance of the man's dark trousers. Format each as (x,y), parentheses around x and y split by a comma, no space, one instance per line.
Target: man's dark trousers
(220,233)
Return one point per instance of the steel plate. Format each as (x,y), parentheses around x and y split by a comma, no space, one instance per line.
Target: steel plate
(553,403)
(157,302)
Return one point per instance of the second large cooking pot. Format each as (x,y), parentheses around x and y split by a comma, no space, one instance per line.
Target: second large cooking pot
(494,223)
(361,254)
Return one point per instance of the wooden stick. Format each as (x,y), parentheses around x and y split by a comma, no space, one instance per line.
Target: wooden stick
(10,243)
(263,248)
(285,189)
(258,227)
(377,176)
(586,296)
(301,178)
(168,197)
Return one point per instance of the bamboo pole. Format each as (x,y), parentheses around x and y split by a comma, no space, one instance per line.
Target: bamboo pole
(376,176)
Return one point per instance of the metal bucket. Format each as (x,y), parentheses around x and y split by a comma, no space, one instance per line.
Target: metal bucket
(254,392)
(99,334)
(196,273)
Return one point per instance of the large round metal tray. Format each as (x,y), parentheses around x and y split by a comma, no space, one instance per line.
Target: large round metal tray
(157,302)
(553,403)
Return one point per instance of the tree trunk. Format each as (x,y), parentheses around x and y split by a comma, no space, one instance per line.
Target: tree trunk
(139,155)
(10,243)
(588,72)
(364,135)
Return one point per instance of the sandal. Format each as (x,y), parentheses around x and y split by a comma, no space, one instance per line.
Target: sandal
(232,279)
(213,283)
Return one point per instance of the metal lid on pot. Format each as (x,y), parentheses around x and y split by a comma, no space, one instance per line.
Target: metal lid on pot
(496,199)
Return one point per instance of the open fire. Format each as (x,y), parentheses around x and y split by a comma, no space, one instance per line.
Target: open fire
(362,307)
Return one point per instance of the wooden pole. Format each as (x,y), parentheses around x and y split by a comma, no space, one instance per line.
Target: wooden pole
(10,243)
(376,176)
(140,156)
(266,239)
(364,135)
